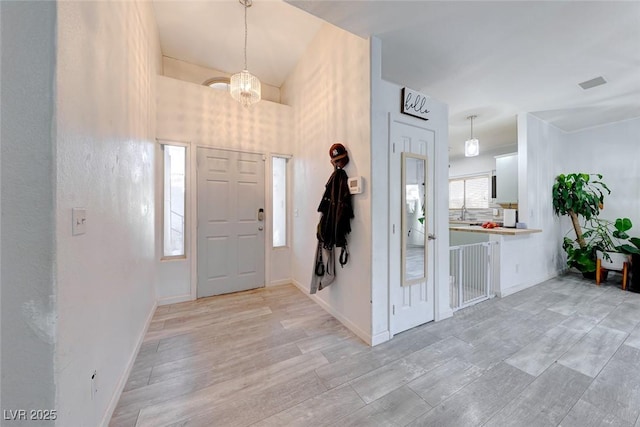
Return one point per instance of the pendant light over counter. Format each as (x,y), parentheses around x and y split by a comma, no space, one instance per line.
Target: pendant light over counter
(245,87)
(471,145)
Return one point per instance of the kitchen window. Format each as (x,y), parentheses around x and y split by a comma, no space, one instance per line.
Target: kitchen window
(471,192)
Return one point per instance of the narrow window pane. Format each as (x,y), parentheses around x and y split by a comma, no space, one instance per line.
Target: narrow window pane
(279,168)
(174,199)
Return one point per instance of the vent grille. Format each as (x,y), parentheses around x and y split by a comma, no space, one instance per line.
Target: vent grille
(592,83)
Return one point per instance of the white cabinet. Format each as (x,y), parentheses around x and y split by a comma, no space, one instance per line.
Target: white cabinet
(507,178)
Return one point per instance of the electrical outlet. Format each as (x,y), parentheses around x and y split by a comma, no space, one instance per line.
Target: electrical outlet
(94,384)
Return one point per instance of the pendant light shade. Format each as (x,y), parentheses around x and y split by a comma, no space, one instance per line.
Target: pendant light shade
(244,86)
(471,145)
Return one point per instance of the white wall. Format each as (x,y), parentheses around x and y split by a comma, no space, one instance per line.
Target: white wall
(201,116)
(27,245)
(108,54)
(329,92)
(197,74)
(534,258)
(385,100)
(613,151)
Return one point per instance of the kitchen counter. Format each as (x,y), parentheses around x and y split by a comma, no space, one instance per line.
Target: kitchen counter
(498,230)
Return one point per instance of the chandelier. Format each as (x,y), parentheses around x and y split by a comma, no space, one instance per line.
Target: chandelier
(244,86)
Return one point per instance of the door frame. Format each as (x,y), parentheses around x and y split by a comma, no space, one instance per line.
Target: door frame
(193,202)
(396,118)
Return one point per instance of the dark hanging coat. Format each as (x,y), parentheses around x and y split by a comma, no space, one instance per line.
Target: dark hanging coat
(336,210)
(334,225)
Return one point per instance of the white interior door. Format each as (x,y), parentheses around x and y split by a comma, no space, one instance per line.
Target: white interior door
(230,228)
(412,304)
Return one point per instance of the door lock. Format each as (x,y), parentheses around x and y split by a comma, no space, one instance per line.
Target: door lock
(431,237)
(260,214)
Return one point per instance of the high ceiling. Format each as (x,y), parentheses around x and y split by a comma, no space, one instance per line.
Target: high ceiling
(490,59)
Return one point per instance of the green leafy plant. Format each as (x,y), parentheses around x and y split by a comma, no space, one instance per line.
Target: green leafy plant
(579,195)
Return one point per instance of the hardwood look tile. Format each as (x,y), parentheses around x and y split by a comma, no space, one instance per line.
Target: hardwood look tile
(478,401)
(320,410)
(272,356)
(536,357)
(185,406)
(443,381)
(615,390)
(634,338)
(593,351)
(625,317)
(397,408)
(544,402)
(584,414)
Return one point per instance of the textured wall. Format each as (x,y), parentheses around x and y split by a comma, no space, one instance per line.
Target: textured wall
(28,303)
(200,116)
(197,74)
(329,92)
(107,59)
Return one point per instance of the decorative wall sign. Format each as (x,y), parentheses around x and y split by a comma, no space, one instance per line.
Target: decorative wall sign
(414,103)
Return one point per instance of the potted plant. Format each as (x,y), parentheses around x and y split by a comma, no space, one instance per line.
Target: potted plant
(579,195)
(610,239)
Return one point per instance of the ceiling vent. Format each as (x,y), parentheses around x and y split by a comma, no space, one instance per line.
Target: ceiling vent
(592,83)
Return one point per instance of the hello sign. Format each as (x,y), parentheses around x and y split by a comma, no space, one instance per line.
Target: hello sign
(414,104)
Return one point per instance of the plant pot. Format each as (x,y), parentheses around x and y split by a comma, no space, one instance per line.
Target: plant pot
(612,260)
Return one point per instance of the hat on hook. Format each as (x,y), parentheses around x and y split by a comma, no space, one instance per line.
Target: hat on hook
(338,154)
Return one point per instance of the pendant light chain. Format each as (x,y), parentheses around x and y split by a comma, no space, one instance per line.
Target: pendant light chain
(244,87)
(246,5)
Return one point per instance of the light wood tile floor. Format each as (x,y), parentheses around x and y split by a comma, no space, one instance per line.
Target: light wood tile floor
(565,352)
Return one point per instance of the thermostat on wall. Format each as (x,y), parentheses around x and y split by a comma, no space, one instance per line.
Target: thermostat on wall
(355,185)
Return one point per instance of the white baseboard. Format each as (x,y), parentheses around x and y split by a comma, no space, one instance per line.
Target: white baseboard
(380,338)
(346,322)
(444,315)
(523,286)
(279,283)
(175,299)
(125,376)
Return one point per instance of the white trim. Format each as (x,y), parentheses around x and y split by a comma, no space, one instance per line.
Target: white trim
(175,299)
(443,315)
(192,197)
(278,283)
(523,286)
(346,322)
(381,337)
(125,375)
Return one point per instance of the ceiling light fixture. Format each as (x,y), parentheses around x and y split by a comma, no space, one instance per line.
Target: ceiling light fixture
(245,87)
(471,145)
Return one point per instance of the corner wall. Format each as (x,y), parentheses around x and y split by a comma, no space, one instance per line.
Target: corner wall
(108,55)
(28,311)
(386,101)
(329,91)
(534,258)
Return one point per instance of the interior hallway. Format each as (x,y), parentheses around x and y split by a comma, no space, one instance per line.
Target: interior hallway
(564,352)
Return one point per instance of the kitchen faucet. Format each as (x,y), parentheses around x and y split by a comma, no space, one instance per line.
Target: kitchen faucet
(463,210)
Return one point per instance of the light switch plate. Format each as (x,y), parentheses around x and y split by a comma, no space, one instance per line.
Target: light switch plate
(79,221)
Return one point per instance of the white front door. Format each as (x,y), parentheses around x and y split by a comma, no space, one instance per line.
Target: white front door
(414,304)
(230,225)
